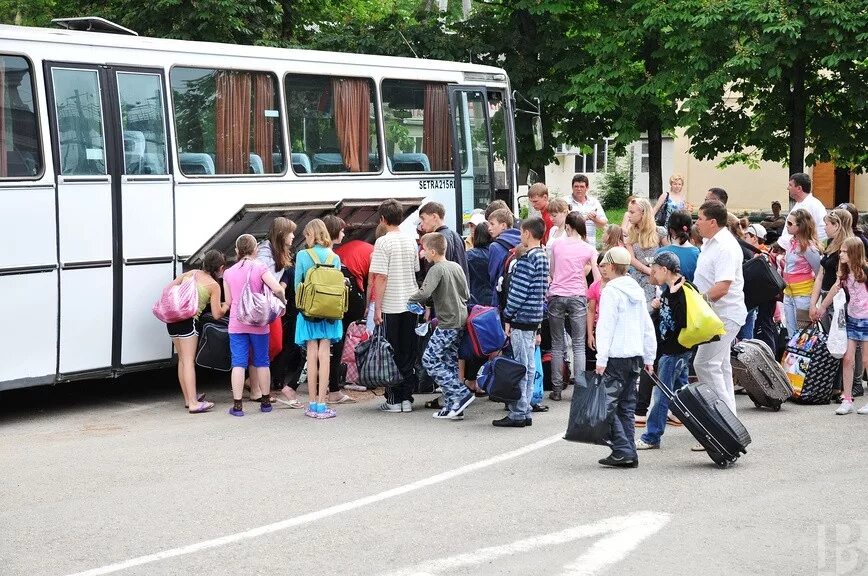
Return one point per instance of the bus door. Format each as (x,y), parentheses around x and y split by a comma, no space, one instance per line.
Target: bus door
(103,142)
(472,158)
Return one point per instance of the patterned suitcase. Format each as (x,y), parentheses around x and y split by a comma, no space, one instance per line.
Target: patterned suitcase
(754,368)
(812,371)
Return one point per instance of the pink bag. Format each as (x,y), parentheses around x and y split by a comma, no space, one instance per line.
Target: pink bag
(257,309)
(355,333)
(178,301)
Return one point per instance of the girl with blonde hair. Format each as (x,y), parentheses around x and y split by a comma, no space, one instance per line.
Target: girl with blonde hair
(643,239)
(853,279)
(316,335)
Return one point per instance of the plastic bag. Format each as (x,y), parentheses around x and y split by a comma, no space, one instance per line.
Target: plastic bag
(178,301)
(376,361)
(836,340)
(591,410)
(703,325)
(537,397)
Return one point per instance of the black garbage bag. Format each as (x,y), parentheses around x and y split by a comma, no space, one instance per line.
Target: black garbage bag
(592,409)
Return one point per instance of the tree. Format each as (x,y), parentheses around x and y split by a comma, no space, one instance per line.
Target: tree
(793,77)
(636,75)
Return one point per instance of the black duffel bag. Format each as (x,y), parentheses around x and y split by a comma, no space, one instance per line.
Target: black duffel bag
(762,282)
(213,349)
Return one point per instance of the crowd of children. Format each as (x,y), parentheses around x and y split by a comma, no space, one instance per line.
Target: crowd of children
(542,273)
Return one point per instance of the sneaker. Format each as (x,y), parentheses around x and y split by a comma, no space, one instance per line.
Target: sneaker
(863,410)
(697,448)
(466,399)
(328,413)
(406,406)
(457,416)
(507,422)
(846,407)
(386,407)
(642,445)
(615,462)
(234,412)
(443,414)
(555,395)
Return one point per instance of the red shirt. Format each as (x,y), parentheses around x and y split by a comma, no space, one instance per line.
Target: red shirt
(356,256)
(549,222)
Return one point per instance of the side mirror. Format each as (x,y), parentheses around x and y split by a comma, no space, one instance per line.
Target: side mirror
(536,124)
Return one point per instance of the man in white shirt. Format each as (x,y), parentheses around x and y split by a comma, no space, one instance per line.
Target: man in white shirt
(719,279)
(588,206)
(799,188)
(394,264)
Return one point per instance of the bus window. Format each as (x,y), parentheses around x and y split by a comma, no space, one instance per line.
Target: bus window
(332,124)
(20,154)
(418,132)
(144,127)
(226,121)
(81,139)
(499,135)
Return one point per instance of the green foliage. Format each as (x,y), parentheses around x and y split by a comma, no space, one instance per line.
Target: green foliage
(614,190)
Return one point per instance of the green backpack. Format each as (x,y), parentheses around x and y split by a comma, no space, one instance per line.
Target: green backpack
(323,293)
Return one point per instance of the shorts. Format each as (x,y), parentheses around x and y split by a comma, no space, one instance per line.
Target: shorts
(184,328)
(857,329)
(240,346)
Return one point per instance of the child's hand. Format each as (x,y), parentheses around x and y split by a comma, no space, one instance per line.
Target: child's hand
(600,369)
(592,344)
(649,368)
(537,340)
(655,303)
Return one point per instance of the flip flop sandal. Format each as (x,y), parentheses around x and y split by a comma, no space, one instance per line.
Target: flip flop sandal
(296,403)
(199,398)
(202,408)
(433,404)
(539,408)
(343,400)
(673,421)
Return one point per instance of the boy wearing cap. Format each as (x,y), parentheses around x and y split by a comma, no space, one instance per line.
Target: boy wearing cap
(625,341)
(674,364)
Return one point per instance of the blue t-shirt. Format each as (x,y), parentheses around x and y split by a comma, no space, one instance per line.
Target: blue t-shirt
(687,257)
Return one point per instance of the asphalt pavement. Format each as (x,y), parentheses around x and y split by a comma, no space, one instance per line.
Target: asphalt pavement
(114,477)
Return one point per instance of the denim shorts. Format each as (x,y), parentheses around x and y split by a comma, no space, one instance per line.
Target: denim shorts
(240,346)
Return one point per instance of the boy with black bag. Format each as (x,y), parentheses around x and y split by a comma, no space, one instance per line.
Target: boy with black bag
(674,363)
(622,348)
(446,284)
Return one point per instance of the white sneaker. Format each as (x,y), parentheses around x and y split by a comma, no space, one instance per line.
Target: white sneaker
(846,407)
(863,410)
(444,414)
(642,445)
(697,448)
(386,407)
(406,406)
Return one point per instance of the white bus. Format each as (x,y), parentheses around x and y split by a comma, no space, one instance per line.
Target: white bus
(123,159)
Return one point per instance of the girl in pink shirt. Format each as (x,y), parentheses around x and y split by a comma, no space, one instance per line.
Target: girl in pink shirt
(853,279)
(567,296)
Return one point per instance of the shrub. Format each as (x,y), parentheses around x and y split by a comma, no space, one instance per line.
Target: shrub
(614,190)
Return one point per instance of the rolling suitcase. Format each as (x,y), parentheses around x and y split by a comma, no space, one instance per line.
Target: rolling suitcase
(709,419)
(755,369)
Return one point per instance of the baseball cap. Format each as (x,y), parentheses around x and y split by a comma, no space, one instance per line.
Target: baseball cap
(669,261)
(757,230)
(617,255)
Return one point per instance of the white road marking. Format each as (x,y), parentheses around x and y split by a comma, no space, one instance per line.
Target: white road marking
(623,534)
(320,514)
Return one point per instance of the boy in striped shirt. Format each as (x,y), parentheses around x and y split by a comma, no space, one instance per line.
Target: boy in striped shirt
(523,313)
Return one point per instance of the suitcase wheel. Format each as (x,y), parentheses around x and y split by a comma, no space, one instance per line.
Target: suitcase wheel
(776,407)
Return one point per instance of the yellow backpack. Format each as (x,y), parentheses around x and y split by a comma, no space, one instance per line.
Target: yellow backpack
(323,292)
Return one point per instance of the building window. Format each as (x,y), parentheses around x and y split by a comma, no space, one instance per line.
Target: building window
(597,160)
(227,121)
(644,157)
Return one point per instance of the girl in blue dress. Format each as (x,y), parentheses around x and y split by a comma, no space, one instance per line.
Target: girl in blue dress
(316,335)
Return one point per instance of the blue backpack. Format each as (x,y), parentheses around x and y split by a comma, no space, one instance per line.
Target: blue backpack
(484,334)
